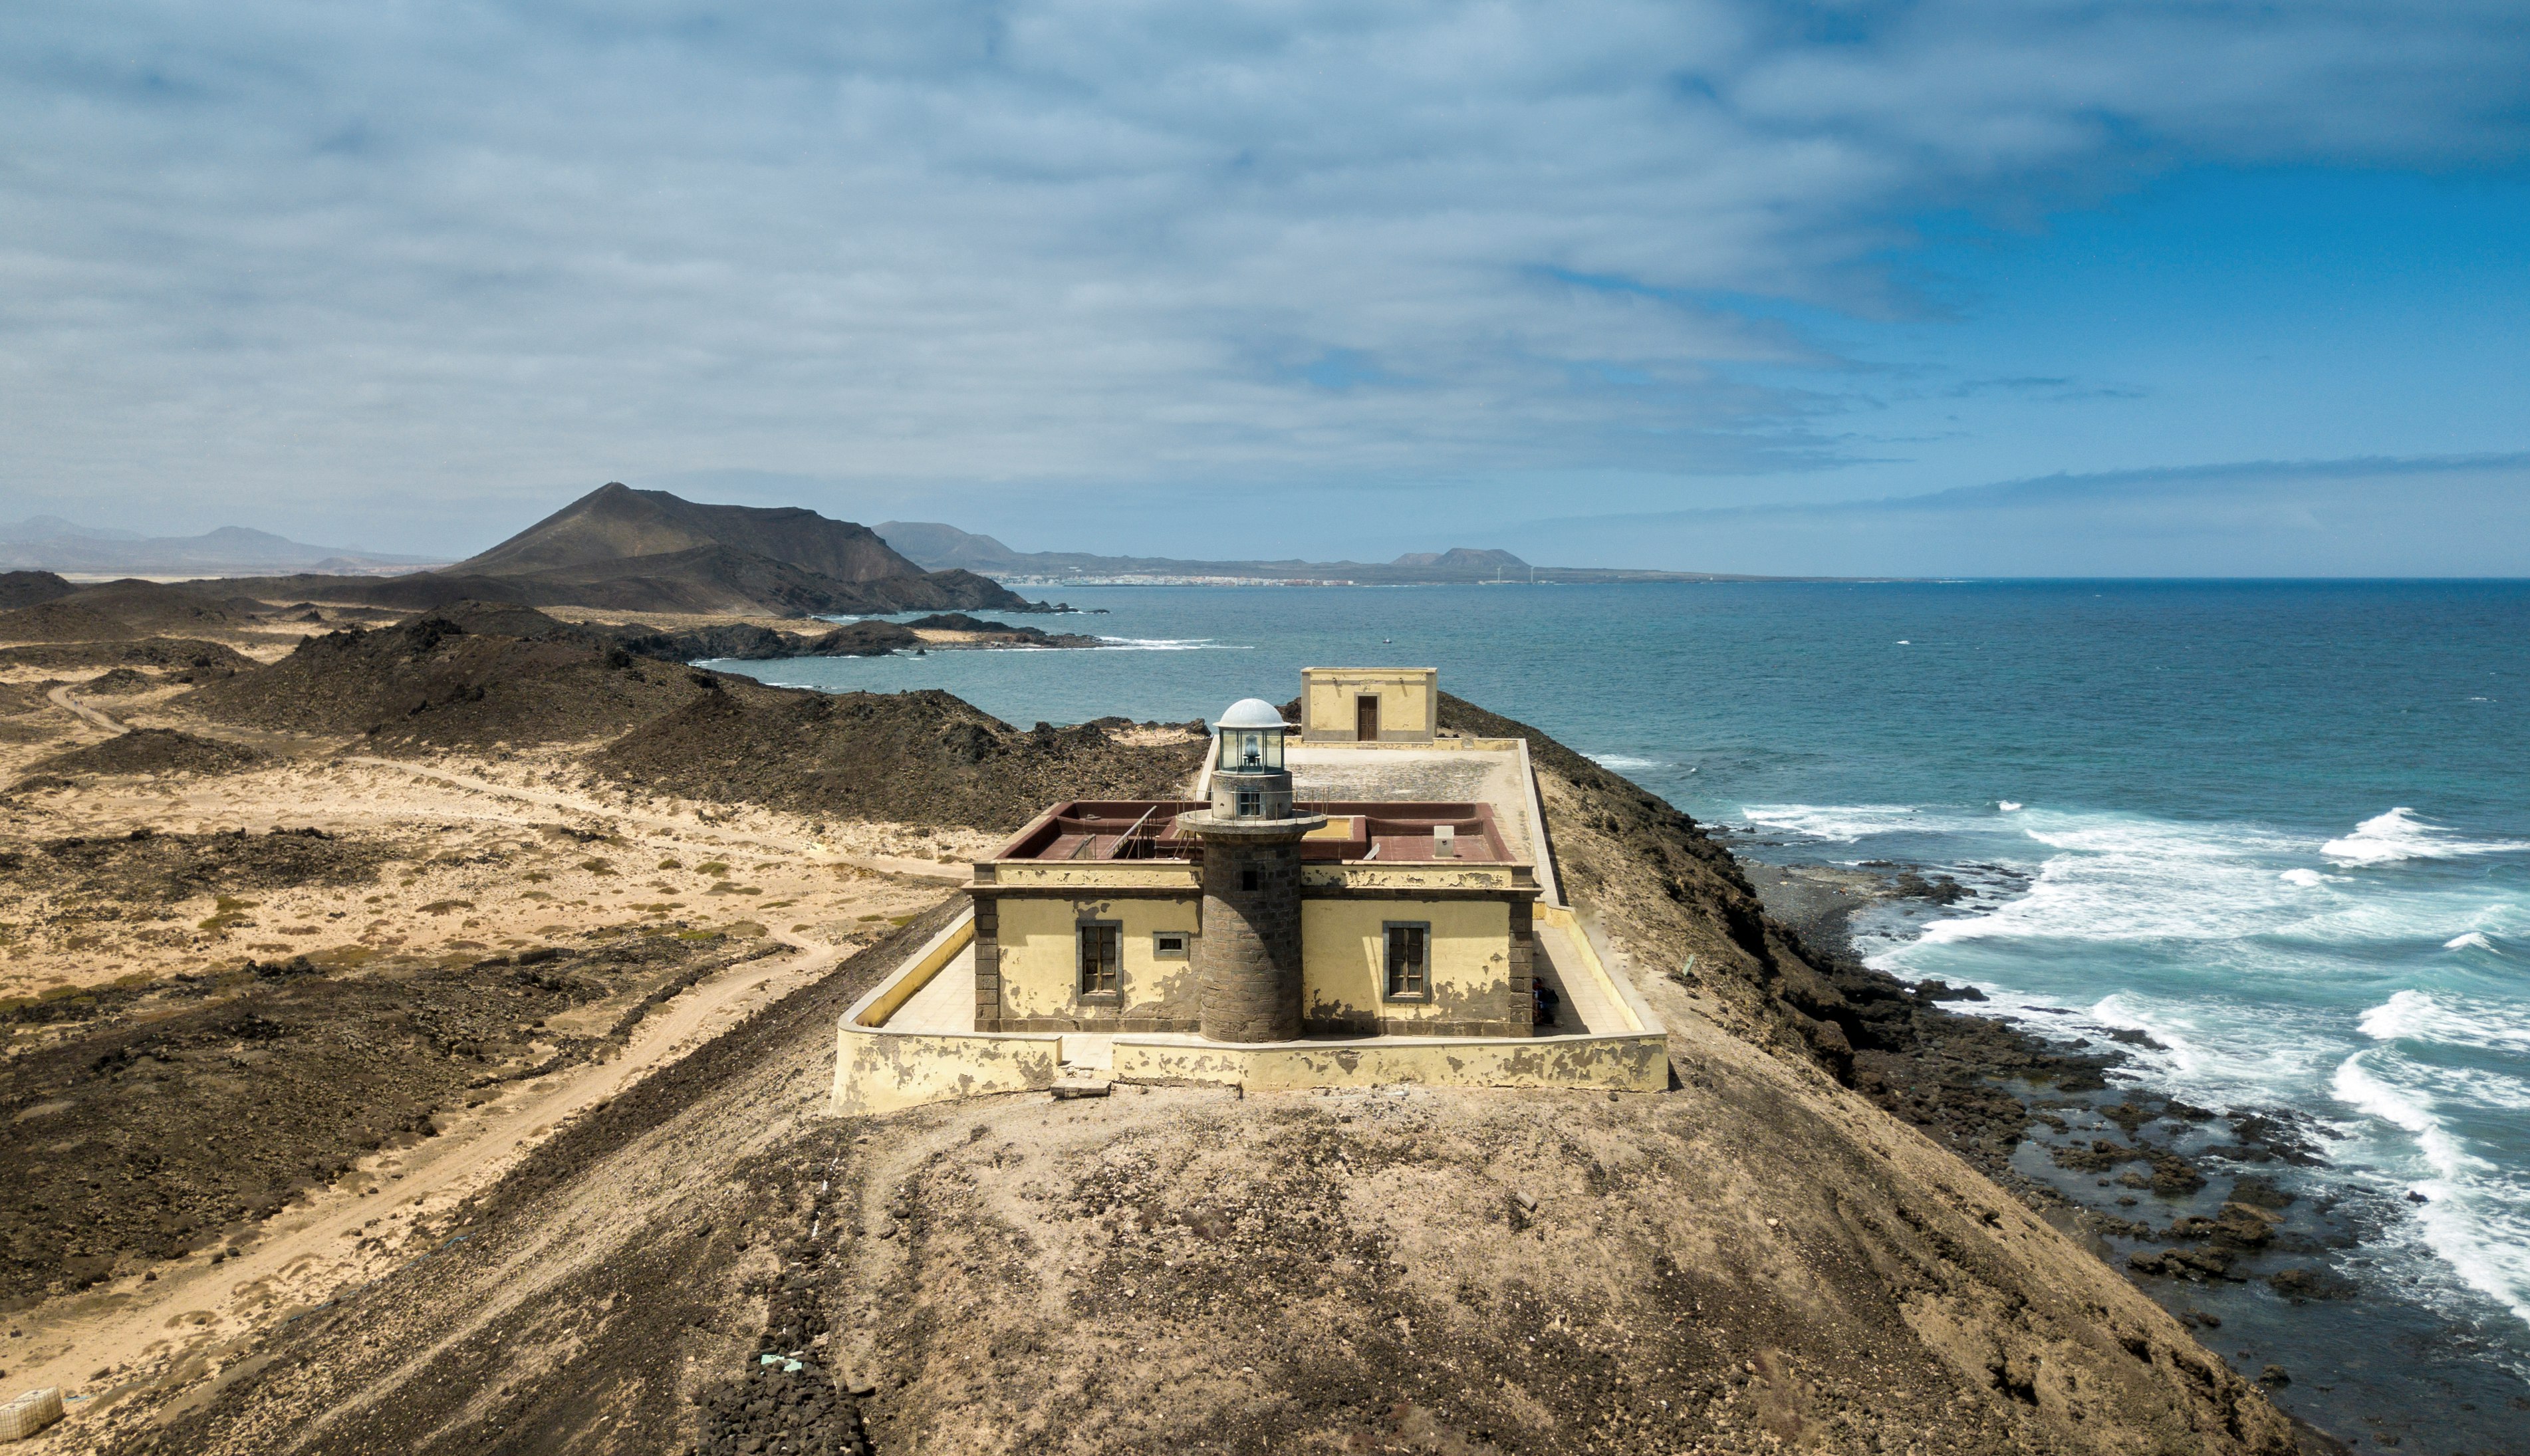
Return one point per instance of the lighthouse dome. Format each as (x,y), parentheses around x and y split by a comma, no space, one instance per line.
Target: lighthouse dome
(1251,713)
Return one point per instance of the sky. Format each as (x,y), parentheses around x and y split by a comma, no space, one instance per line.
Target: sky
(1953,287)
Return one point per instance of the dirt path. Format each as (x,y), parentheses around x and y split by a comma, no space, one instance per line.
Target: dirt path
(139,1335)
(61,698)
(548,798)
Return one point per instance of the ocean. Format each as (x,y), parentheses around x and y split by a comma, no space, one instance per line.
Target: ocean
(2281,828)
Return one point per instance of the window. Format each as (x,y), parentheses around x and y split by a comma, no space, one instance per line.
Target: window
(1409,960)
(1169,944)
(1247,880)
(1251,803)
(1102,959)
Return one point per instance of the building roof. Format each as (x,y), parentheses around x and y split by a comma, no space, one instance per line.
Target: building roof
(1251,713)
(1355,831)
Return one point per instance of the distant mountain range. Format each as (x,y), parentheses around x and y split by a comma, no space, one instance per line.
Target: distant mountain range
(946,547)
(52,544)
(648,551)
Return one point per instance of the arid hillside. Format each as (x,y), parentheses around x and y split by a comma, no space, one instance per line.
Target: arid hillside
(431,683)
(424,1042)
(704,1260)
(921,757)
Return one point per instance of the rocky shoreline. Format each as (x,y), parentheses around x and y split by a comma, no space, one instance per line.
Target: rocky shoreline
(2198,1205)
(949,631)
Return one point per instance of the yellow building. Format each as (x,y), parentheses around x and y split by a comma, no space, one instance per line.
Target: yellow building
(1262,936)
(1369,705)
(1411,918)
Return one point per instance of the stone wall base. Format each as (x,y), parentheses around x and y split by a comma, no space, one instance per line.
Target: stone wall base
(1094,1025)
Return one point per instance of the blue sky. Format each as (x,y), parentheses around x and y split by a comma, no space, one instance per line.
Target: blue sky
(2159,288)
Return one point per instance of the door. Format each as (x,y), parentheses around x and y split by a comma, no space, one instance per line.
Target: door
(1365,720)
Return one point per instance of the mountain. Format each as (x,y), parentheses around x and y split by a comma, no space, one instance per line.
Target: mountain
(943,547)
(648,551)
(54,528)
(616,523)
(1463,558)
(50,543)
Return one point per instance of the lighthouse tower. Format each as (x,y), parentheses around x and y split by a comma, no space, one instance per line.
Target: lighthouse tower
(1247,959)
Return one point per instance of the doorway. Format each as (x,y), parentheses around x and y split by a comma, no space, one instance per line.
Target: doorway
(1365,720)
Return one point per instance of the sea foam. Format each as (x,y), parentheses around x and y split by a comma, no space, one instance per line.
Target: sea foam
(2121,877)
(1169,644)
(1843,824)
(2453,1021)
(2473,1219)
(2386,839)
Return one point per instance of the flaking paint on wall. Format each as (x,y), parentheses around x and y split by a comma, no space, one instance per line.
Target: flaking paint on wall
(1042,955)
(1633,1062)
(1344,961)
(880,1071)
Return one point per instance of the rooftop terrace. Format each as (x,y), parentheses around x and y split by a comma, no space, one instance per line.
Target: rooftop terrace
(1356,831)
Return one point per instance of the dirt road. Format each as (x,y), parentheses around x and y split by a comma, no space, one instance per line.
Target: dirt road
(683,825)
(61,698)
(138,1336)
(686,824)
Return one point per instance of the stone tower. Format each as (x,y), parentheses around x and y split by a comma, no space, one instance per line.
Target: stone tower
(1248,960)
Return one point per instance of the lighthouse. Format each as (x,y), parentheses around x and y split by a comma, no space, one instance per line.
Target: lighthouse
(1248,960)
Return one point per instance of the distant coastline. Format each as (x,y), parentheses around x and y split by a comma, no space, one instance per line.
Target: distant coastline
(1561,576)
(937,546)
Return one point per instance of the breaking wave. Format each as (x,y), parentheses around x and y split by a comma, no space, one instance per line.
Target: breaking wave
(2426,1016)
(2386,839)
(2260,981)
(1843,824)
(1169,644)
(2475,1218)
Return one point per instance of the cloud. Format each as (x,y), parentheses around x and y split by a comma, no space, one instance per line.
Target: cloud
(402,252)
(2465,516)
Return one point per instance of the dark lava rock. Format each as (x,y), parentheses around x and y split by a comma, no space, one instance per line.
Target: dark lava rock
(776,1410)
(2236,1226)
(2308,1283)
(917,757)
(2271,1137)
(1940,890)
(218,1099)
(2128,1115)
(2259,1193)
(144,751)
(2100,1157)
(191,659)
(2174,1177)
(117,681)
(30,589)
(2198,1265)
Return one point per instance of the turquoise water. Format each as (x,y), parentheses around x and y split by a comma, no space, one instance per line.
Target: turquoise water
(2283,828)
